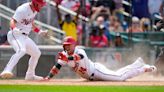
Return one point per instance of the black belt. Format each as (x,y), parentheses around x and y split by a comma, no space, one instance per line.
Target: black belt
(91,77)
(25,34)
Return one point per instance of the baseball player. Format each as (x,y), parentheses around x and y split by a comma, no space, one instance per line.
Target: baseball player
(78,60)
(21,25)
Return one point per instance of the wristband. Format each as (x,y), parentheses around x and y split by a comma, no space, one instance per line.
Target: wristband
(36,30)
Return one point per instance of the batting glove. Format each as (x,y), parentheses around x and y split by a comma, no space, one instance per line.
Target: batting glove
(63,57)
(43,32)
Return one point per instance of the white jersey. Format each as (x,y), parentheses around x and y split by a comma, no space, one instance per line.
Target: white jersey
(24,17)
(96,71)
(83,67)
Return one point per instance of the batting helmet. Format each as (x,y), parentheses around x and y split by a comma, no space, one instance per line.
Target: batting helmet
(38,2)
(69,40)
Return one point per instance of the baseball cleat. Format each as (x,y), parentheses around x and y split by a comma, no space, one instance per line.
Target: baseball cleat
(6,75)
(34,77)
(149,68)
(139,62)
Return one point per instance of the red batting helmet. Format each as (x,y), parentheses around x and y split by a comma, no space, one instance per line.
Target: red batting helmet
(69,40)
(38,2)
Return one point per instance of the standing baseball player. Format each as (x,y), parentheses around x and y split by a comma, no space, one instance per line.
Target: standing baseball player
(77,59)
(21,25)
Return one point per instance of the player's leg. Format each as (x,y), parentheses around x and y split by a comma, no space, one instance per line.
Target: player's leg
(104,74)
(107,75)
(132,72)
(138,67)
(18,43)
(35,53)
(137,63)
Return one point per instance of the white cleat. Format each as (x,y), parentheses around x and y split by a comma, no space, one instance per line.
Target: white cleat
(34,77)
(154,69)
(149,68)
(139,62)
(6,75)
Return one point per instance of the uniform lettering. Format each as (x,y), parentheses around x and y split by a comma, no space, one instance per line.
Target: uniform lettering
(27,21)
(82,70)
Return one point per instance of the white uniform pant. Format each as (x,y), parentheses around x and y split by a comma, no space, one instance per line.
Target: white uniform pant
(103,73)
(22,45)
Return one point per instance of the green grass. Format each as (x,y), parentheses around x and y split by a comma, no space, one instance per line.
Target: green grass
(53,88)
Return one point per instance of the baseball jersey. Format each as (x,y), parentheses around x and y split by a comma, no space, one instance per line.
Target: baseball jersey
(24,17)
(83,67)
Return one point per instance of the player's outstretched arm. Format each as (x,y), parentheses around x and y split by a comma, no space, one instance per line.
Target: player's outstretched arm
(55,69)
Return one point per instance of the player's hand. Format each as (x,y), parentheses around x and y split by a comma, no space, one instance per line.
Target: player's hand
(46,78)
(43,33)
(16,30)
(63,57)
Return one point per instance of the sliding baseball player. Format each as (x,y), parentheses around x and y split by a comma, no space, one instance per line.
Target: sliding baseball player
(78,60)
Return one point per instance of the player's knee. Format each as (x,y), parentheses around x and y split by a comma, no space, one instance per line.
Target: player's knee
(21,52)
(36,54)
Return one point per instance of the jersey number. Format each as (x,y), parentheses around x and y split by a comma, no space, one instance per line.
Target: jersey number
(82,70)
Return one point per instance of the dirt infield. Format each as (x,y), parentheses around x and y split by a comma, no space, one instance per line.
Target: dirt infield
(137,81)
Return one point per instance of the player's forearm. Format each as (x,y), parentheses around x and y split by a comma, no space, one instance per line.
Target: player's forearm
(58,13)
(78,13)
(51,74)
(12,24)
(54,71)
